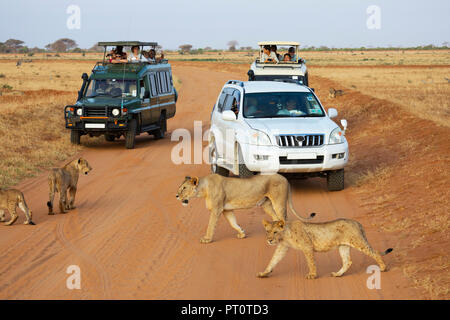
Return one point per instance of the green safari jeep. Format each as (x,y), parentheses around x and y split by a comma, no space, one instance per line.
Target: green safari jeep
(123,99)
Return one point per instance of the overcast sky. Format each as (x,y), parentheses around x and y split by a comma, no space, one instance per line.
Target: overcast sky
(338,23)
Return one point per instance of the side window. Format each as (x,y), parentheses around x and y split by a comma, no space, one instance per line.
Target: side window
(221,101)
(142,88)
(237,101)
(153,88)
(163,82)
(229,101)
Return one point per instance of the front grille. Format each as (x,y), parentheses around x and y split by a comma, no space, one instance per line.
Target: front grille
(95,111)
(285,160)
(300,140)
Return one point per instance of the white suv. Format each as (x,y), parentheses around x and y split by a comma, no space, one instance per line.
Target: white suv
(271,126)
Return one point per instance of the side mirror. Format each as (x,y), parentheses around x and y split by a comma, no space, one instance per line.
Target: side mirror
(344,124)
(228,115)
(85,77)
(332,113)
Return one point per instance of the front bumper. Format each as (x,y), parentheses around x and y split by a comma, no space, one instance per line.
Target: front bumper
(284,159)
(89,124)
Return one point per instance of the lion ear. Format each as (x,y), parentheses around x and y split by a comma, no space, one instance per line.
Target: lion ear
(79,160)
(195,181)
(187,178)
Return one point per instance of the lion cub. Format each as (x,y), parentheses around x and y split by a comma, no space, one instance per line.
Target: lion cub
(10,199)
(311,237)
(66,179)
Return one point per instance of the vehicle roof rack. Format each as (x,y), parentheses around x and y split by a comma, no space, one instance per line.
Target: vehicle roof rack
(236,82)
(127,43)
(295,81)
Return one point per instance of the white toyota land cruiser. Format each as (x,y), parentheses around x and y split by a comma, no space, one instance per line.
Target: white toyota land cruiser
(271,126)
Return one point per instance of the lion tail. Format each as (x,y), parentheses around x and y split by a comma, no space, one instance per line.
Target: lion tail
(389,250)
(291,207)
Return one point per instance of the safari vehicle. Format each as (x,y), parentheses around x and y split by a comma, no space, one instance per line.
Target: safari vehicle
(123,99)
(294,70)
(274,126)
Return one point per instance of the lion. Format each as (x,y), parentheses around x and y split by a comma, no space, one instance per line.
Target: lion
(65,179)
(319,237)
(10,199)
(225,194)
(334,93)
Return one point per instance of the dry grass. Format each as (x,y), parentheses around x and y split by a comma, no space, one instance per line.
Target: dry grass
(422,91)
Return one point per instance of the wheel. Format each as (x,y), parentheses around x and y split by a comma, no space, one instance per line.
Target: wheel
(213,160)
(130,136)
(335,180)
(75,136)
(109,137)
(244,172)
(159,133)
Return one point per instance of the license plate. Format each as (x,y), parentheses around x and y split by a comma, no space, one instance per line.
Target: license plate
(94,126)
(304,155)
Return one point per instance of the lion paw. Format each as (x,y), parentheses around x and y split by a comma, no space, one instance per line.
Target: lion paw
(241,235)
(205,240)
(336,274)
(311,276)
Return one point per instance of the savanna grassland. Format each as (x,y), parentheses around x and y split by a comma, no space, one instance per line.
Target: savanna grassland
(396,104)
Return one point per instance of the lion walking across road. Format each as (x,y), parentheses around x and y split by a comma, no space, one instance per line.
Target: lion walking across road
(10,199)
(319,237)
(225,194)
(64,180)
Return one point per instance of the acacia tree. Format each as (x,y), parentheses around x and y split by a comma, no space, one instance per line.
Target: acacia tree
(185,48)
(232,44)
(63,45)
(13,45)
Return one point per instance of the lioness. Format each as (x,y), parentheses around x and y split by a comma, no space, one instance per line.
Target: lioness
(224,194)
(334,93)
(10,199)
(310,237)
(65,179)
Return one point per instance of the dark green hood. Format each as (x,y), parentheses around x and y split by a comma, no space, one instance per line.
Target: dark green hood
(101,101)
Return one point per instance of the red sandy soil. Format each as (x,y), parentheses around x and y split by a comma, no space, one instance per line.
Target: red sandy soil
(133,240)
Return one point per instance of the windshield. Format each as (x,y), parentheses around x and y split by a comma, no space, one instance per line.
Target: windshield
(111,87)
(282,105)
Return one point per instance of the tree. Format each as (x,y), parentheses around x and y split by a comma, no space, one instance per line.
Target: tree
(185,48)
(63,45)
(13,45)
(232,44)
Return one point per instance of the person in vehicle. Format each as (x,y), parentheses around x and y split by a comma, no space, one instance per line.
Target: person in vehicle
(292,54)
(287,57)
(118,56)
(153,58)
(274,49)
(292,109)
(135,56)
(269,56)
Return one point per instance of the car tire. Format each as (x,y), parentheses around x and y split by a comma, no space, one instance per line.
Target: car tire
(109,137)
(130,136)
(335,180)
(244,172)
(75,137)
(213,161)
(159,133)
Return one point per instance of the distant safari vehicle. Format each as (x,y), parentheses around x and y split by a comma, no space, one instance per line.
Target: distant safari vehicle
(294,70)
(123,97)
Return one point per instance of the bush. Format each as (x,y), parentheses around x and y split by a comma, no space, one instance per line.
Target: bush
(2,75)
(7,87)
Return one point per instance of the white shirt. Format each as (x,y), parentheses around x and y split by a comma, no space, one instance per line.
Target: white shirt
(139,58)
(272,56)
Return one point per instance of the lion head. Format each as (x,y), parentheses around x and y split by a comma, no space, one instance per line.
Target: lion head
(274,231)
(187,190)
(83,166)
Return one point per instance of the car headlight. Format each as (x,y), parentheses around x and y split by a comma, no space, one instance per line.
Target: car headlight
(79,112)
(259,138)
(336,136)
(115,112)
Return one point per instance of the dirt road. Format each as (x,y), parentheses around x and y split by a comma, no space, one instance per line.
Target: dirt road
(132,239)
